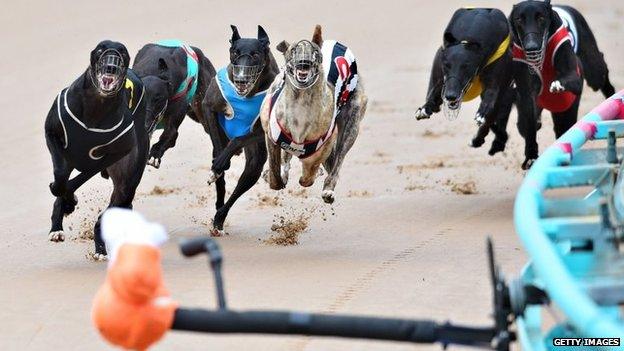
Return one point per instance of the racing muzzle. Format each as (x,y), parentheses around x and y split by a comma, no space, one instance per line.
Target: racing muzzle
(451,102)
(303,65)
(109,72)
(534,54)
(245,77)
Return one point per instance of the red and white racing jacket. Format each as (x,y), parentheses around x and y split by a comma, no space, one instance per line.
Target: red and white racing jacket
(554,102)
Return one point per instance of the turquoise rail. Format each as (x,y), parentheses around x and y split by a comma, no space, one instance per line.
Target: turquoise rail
(570,240)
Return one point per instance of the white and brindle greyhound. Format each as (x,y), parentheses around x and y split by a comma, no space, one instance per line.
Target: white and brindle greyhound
(313,111)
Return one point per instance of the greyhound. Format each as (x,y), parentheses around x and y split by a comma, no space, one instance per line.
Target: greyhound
(554,49)
(190,71)
(96,125)
(313,111)
(230,115)
(474,60)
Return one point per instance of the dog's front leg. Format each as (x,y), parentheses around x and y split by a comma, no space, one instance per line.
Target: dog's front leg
(527,114)
(434,93)
(168,137)
(63,204)
(61,167)
(485,116)
(222,162)
(275,179)
(568,75)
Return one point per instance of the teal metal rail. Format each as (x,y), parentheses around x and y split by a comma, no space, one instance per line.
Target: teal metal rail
(571,239)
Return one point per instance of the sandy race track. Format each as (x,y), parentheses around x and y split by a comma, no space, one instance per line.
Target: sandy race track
(402,239)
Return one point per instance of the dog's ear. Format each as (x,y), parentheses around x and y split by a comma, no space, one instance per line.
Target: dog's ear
(317,37)
(283,46)
(235,35)
(125,55)
(95,53)
(263,36)
(449,39)
(162,66)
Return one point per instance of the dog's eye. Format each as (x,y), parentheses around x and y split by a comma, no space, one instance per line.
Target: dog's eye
(540,18)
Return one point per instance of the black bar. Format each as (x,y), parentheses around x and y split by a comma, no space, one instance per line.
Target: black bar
(192,247)
(294,323)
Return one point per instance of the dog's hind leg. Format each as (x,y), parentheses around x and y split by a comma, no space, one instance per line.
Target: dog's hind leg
(168,138)
(349,129)
(255,157)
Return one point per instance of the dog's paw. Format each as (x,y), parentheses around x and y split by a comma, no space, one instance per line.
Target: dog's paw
(476,142)
(328,196)
(479,118)
(528,163)
(306,183)
(228,111)
(556,87)
(97,257)
(497,146)
(54,189)
(154,162)
(212,177)
(220,164)
(285,176)
(216,232)
(56,236)
(69,205)
(276,184)
(421,113)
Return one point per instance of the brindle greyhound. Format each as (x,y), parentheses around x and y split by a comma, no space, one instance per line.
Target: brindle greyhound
(97,124)
(553,49)
(190,72)
(319,92)
(474,60)
(230,115)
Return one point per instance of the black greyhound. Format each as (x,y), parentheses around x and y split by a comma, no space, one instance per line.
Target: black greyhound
(554,48)
(190,72)
(475,60)
(96,125)
(231,109)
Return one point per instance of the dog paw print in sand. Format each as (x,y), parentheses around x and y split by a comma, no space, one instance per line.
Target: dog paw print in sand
(432,134)
(462,187)
(359,193)
(265,201)
(432,164)
(300,193)
(162,191)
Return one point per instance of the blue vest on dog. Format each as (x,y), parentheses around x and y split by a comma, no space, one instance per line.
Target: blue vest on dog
(246,109)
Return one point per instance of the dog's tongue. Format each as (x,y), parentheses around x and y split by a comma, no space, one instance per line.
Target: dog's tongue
(107,81)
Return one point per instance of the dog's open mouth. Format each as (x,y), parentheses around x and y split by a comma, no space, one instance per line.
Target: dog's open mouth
(242,86)
(303,72)
(108,82)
